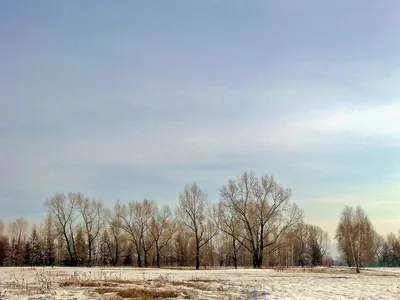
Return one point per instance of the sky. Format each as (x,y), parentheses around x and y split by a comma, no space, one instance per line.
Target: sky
(133,99)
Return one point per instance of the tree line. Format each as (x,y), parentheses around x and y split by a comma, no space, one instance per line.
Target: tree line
(253,224)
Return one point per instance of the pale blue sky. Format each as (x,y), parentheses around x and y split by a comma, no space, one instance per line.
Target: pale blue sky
(133,99)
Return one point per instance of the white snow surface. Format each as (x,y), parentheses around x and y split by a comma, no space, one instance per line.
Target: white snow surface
(320,283)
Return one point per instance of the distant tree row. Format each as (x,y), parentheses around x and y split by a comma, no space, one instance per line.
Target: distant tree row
(253,224)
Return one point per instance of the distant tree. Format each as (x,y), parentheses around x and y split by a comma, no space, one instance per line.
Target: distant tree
(301,233)
(18,233)
(115,243)
(393,249)
(81,246)
(263,209)
(229,223)
(180,253)
(316,244)
(63,208)
(104,255)
(133,219)
(384,254)
(146,212)
(162,228)
(355,236)
(4,250)
(48,237)
(34,252)
(4,245)
(92,212)
(192,212)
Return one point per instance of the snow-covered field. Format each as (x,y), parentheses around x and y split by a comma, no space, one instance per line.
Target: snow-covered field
(105,283)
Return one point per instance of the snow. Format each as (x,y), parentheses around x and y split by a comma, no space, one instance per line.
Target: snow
(320,283)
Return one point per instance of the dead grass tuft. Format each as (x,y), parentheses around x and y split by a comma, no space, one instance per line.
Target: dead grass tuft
(81,283)
(142,294)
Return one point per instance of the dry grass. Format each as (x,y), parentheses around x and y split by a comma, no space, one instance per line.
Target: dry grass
(81,283)
(139,293)
(193,285)
(122,281)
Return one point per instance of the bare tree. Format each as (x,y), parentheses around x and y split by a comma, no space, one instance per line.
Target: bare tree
(135,218)
(114,236)
(379,248)
(393,249)
(192,211)
(355,236)
(126,215)
(63,209)
(162,229)
(92,212)
(228,222)
(146,211)
(301,233)
(263,210)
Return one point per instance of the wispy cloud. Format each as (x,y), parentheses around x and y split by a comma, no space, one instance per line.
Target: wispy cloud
(115,105)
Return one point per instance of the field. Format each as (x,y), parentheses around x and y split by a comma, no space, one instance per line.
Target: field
(118,283)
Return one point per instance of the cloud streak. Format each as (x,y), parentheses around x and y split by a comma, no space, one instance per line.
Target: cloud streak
(118,106)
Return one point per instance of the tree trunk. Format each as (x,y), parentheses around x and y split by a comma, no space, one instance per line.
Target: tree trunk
(259,259)
(139,258)
(235,264)
(235,253)
(116,258)
(197,255)
(145,257)
(260,251)
(255,256)
(71,257)
(157,255)
(90,253)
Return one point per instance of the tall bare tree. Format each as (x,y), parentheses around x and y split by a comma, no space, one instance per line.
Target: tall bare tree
(146,211)
(162,228)
(228,222)
(63,209)
(355,236)
(92,212)
(135,218)
(114,234)
(301,233)
(193,214)
(263,209)
(127,216)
